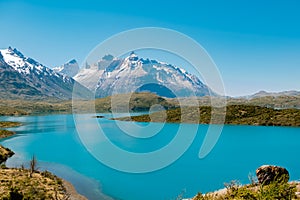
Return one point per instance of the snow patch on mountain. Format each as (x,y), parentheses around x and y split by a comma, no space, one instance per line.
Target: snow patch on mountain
(89,74)
(23,77)
(19,62)
(70,69)
(26,65)
(112,75)
(132,73)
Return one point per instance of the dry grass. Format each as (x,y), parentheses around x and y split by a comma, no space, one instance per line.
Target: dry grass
(5,153)
(138,102)
(8,124)
(40,185)
(253,191)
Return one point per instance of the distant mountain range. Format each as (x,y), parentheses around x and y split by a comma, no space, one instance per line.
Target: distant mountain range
(22,77)
(133,74)
(275,94)
(70,68)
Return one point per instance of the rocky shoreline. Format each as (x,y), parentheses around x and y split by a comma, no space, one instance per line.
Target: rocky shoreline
(7,124)
(73,195)
(5,153)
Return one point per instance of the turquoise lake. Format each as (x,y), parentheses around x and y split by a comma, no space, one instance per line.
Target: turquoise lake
(240,150)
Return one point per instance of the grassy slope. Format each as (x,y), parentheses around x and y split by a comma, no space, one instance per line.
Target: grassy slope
(8,110)
(256,111)
(282,102)
(5,153)
(138,102)
(254,191)
(6,133)
(26,107)
(235,114)
(7,124)
(36,185)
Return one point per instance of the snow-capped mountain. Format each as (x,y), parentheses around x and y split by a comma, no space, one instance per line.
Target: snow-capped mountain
(89,75)
(23,77)
(70,68)
(134,74)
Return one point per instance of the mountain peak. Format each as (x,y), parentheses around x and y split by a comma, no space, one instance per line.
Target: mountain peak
(73,61)
(18,61)
(108,57)
(10,49)
(133,56)
(13,52)
(132,53)
(134,74)
(23,77)
(70,68)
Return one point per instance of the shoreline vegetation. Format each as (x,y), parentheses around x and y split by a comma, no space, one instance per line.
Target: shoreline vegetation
(253,191)
(234,114)
(21,183)
(6,124)
(138,102)
(264,111)
(270,182)
(6,153)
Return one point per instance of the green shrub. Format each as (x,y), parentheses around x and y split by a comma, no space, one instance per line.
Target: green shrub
(14,194)
(254,191)
(275,190)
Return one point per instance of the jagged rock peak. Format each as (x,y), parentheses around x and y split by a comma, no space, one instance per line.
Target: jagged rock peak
(133,56)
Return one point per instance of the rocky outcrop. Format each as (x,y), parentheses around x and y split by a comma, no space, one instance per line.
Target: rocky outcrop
(268,173)
(5,153)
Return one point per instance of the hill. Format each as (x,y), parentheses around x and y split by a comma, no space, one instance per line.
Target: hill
(138,102)
(235,114)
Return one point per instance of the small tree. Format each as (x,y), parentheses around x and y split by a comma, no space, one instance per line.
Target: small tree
(33,165)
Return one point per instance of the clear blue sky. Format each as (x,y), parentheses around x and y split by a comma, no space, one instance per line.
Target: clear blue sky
(255,44)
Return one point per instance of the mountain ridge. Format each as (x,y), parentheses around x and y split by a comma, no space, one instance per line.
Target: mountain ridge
(22,77)
(111,75)
(264,93)
(70,68)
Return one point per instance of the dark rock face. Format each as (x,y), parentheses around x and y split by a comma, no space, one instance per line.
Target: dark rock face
(268,173)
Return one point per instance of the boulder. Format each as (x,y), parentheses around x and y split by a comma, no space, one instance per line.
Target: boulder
(268,173)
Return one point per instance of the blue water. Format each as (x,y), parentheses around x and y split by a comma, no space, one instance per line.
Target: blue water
(53,139)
